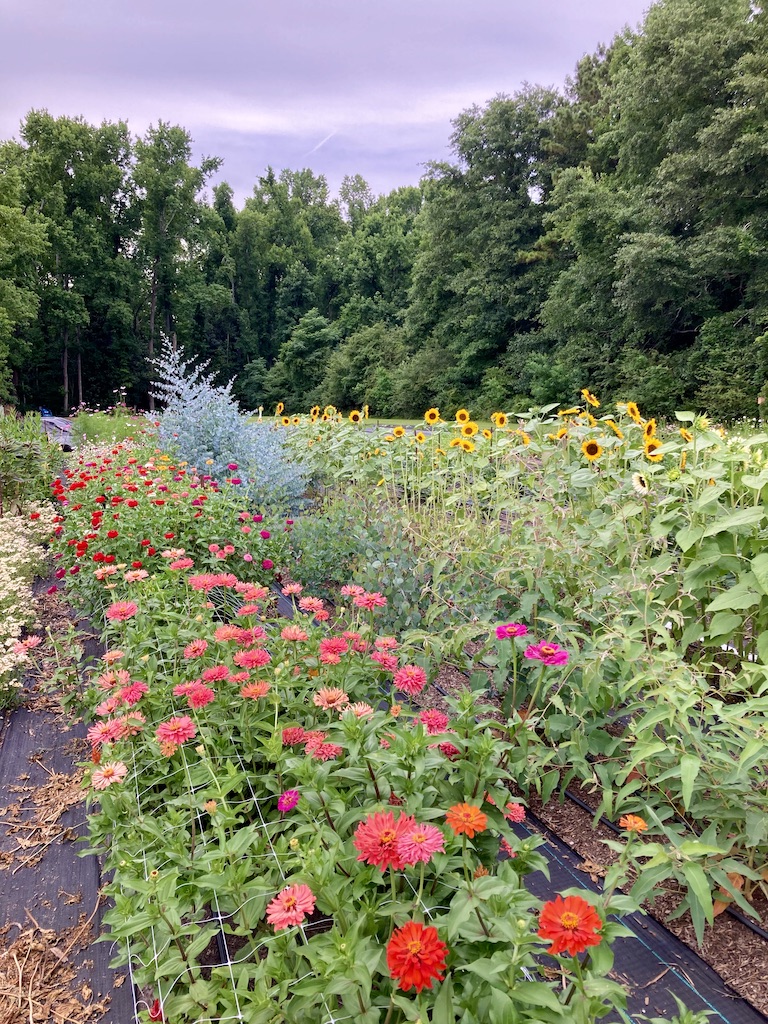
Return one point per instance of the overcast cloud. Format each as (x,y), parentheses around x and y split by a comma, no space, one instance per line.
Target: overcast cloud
(341,86)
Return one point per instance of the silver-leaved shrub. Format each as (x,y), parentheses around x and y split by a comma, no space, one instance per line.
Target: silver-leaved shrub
(203,424)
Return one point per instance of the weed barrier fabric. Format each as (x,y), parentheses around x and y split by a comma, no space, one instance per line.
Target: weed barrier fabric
(654,965)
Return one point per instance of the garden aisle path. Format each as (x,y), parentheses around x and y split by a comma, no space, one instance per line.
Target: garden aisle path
(51,970)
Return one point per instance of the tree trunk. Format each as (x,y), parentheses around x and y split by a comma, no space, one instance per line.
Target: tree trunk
(79,378)
(152,311)
(65,371)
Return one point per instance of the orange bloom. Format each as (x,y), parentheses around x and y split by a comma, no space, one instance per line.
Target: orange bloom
(633,823)
(571,924)
(466,818)
(415,955)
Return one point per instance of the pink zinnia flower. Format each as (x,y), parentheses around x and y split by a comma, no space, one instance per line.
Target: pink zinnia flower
(266,563)
(216,673)
(506,848)
(176,730)
(377,839)
(255,658)
(434,721)
(410,679)
(352,590)
(198,695)
(511,629)
(388,662)
(107,774)
(121,610)
(131,724)
(294,634)
(108,706)
(385,643)
(248,609)
(313,739)
(310,604)
(252,591)
(134,575)
(227,632)
(326,751)
(288,800)
(514,812)
(292,735)
(181,563)
(449,751)
(549,654)
(133,693)
(291,906)
(421,843)
(196,649)
(370,601)
(101,732)
(360,709)
(330,698)
(291,589)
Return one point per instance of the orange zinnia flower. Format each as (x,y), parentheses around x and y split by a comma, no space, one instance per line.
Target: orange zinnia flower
(466,818)
(633,823)
(571,924)
(415,955)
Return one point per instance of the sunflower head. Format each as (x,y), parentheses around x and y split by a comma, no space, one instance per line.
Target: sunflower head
(562,432)
(615,428)
(651,447)
(419,437)
(279,408)
(591,450)
(466,445)
(462,416)
(499,419)
(456,442)
(286,421)
(355,416)
(399,431)
(525,438)
(315,411)
(330,410)
(469,429)
(686,435)
(487,434)
(432,416)
(575,410)
(633,412)
(589,398)
(325,417)
(649,430)
(640,484)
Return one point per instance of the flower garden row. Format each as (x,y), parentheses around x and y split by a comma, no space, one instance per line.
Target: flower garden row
(289,839)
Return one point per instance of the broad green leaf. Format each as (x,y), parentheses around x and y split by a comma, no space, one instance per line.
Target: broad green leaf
(690,765)
(759,567)
(742,596)
(741,517)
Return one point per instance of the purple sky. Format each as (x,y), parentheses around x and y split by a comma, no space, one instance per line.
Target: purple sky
(341,86)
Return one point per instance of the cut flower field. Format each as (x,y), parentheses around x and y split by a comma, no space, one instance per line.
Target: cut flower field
(291,836)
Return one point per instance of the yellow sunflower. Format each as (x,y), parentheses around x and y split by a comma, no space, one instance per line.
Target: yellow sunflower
(591,450)
(365,412)
(279,408)
(355,416)
(574,411)
(330,410)
(419,437)
(432,416)
(325,417)
(455,442)
(589,398)
(295,420)
(487,434)
(525,438)
(686,435)
(389,437)
(399,431)
(469,429)
(462,416)
(683,460)
(590,419)
(649,430)
(500,419)
(314,411)
(615,428)
(313,419)
(651,447)
(286,421)
(466,445)
(633,412)
(562,432)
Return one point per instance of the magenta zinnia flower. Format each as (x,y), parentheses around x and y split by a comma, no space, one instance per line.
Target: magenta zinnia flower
(288,800)
(510,630)
(421,843)
(196,649)
(549,654)
(291,906)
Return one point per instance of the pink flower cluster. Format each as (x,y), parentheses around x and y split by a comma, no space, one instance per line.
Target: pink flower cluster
(385,842)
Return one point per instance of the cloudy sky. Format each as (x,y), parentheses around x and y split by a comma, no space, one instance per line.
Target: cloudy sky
(342,86)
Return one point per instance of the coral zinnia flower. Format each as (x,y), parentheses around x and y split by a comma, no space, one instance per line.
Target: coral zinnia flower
(196,649)
(255,690)
(633,823)
(549,654)
(369,601)
(255,658)
(410,679)
(416,956)
(377,839)
(293,734)
(571,924)
(291,906)
(435,721)
(176,730)
(330,698)
(121,610)
(294,634)
(466,818)
(421,843)
(591,450)
(113,771)
(325,751)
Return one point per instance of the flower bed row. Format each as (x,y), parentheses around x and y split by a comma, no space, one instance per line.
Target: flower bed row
(289,841)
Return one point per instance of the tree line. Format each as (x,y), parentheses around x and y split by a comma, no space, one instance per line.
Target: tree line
(610,234)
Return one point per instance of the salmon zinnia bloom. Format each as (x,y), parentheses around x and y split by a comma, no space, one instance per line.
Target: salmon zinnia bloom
(466,818)
(571,924)
(176,730)
(421,843)
(121,610)
(377,839)
(255,690)
(410,679)
(330,698)
(416,956)
(633,823)
(113,771)
(291,906)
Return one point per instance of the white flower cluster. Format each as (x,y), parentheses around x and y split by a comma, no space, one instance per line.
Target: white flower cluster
(21,557)
(203,424)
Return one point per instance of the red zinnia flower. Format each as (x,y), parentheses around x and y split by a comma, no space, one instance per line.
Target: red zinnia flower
(377,839)
(571,924)
(415,955)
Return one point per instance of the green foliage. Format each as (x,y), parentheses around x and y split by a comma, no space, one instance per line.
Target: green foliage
(27,460)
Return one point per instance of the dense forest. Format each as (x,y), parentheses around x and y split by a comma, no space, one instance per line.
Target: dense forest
(612,234)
